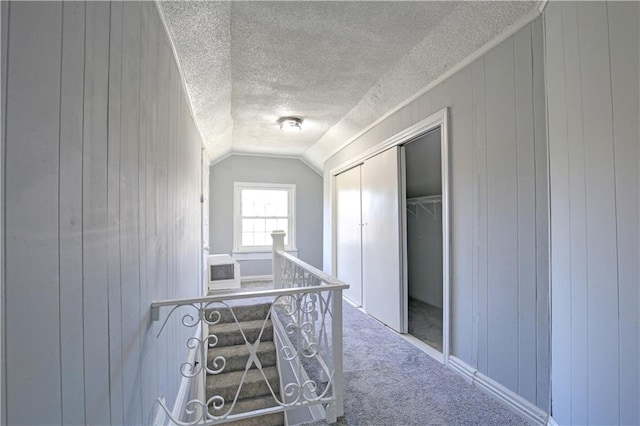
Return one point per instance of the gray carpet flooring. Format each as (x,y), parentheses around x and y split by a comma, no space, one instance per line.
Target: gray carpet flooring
(388,381)
(425,323)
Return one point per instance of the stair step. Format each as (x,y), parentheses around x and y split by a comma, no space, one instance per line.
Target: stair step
(229,333)
(236,356)
(242,312)
(251,404)
(226,384)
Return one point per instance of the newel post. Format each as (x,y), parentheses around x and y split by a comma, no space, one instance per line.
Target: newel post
(336,331)
(278,245)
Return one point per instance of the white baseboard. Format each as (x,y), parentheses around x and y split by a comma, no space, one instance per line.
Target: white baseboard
(351,302)
(509,398)
(467,372)
(432,352)
(551,422)
(256,278)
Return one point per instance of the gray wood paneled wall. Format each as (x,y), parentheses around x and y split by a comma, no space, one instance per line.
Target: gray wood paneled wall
(500,319)
(592,83)
(102,174)
(3,92)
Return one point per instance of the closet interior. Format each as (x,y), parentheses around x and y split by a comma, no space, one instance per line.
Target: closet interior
(423,186)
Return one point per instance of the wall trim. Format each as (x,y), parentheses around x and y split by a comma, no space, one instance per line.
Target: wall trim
(506,396)
(432,352)
(542,4)
(286,157)
(499,38)
(551,422)
(243,256)
(183,80)
(249,278)
(467,372)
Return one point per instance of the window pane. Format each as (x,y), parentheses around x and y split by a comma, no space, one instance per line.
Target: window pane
(247,239)
(281,202)
(246,202)
(270,209)
(261,239)
(283,224)
(263,210)
(248,225)
(271,225)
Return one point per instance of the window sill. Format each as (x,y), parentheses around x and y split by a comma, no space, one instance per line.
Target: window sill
(259,254)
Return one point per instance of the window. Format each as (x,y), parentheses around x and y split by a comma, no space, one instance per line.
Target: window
(259,209)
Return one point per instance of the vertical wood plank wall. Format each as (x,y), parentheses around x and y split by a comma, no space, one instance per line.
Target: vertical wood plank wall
(3,95)
(592,87)
(499,202)
(103,211)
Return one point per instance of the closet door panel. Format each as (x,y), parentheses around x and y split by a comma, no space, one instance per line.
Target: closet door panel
(349,233)
(381,237)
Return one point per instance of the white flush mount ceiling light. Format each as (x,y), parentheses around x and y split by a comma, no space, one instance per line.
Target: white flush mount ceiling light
(290,124)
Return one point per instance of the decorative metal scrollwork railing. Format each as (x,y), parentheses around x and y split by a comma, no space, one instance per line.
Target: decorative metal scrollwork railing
(305,309)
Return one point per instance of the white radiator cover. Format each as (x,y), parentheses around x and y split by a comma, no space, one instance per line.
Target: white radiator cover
(223,272)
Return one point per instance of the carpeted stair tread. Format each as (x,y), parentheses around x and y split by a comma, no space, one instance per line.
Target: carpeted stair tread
(236,356)
(242,313)
(254,385)
(251,404)
(229,333)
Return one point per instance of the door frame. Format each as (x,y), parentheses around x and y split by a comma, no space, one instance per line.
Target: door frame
(438,119)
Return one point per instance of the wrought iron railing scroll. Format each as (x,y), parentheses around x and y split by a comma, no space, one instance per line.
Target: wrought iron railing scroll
(305,308)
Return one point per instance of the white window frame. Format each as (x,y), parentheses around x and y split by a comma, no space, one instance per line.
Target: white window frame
(237,218)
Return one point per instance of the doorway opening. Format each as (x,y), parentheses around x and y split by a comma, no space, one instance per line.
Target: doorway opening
(423,255)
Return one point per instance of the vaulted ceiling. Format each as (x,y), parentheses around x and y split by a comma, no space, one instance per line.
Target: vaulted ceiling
(338,65)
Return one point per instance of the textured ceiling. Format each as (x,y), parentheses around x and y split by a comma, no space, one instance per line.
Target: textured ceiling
(338,65)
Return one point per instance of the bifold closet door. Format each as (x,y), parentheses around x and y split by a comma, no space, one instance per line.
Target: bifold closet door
(381,239)
(349,233)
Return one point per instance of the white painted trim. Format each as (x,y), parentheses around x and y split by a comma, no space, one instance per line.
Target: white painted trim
(542,4)
(221,158)
(513,401)
(291,232)
(438,119)
(467,372)
(186,383)
(250,278)
(183,80)
(285,157)
(508,32)
(310,165)
(551,422)
(243,256)
(352,303)
(431,122)
(432,352)
(446,235)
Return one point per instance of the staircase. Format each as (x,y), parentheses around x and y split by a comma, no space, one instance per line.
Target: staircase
(232,347)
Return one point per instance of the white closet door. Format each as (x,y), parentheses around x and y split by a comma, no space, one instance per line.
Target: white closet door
(349,233)
(381,239)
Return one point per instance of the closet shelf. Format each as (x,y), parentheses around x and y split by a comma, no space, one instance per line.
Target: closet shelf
(424,200)
(424,203)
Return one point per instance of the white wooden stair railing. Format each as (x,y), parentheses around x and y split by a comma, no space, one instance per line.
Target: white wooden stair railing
(306,313)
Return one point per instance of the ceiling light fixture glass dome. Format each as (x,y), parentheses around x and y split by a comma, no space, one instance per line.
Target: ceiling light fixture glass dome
(290,123)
